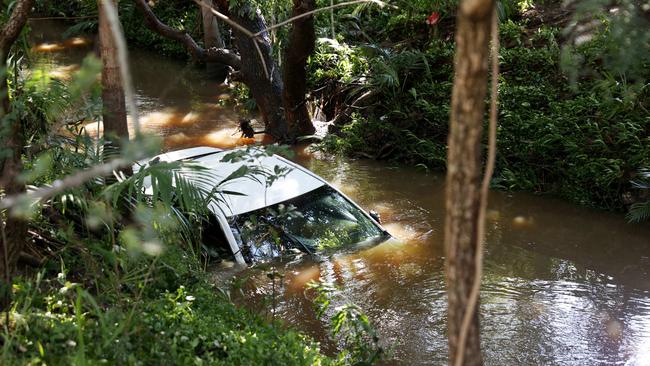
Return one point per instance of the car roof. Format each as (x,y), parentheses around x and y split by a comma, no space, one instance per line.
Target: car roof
(253,193)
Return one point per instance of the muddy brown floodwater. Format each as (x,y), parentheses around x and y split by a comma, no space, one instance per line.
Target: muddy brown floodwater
(562,284)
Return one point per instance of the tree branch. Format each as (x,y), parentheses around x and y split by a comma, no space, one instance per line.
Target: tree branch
(71,181)
(255,38)
(213,54)
(314,11)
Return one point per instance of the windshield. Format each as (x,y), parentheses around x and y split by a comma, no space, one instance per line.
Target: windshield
(318,220)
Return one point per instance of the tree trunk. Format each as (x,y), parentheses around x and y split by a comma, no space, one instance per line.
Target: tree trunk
(212,39)
(464,171)
(114,108)
(257,68)
(267,91)
(302,41)
(15,228)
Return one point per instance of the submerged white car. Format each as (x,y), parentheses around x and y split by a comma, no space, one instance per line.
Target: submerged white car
(261,217)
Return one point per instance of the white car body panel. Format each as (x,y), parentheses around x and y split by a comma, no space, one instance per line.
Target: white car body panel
(256,194)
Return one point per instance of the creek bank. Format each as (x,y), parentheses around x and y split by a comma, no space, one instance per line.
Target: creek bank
(578,132)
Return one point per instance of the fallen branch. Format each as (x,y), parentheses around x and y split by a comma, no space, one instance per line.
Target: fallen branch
(61,185)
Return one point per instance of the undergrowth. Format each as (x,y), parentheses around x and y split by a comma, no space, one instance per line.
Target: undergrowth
(582,136)
(175,318)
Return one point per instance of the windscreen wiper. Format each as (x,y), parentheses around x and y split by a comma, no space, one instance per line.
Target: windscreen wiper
(296,240)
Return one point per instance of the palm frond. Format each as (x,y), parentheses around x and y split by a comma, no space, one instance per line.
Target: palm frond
(639,212)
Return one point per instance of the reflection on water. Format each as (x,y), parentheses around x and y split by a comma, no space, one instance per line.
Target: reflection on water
(562,284)
(175,100)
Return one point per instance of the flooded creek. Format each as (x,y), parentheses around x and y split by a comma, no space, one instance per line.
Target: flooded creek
(562,284)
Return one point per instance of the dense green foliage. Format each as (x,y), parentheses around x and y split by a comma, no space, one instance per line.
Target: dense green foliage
(177,318)
(128,283)
(582,140)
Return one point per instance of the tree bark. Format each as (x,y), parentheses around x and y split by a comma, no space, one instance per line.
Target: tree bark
(464,172)
(257,68)
(114,107)
(212,39)
(15,228)
(267,91)
(302,41)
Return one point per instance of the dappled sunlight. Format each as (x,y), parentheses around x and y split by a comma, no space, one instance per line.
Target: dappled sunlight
(179,140)
(296,281)
(523,222)
(394,252)
(93,128)
(348,189)
(385,210)
(401,231)
(77,42)
(346,268)
(155,119)
(70,43)
(182,129)
(391,251)
(48,47)
(228,138)
(190,118)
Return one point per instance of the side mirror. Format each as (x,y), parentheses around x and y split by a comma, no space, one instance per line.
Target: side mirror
(375,215)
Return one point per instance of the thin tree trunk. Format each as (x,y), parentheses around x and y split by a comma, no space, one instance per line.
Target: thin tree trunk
(114,108)
(14,233)
(301,45)
(464,173)
(212,39)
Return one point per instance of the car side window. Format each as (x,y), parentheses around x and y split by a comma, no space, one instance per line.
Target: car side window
(213,239)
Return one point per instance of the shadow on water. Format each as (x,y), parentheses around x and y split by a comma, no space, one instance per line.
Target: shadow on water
(562,284)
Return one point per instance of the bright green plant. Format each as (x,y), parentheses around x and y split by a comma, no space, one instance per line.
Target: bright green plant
(349,325)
